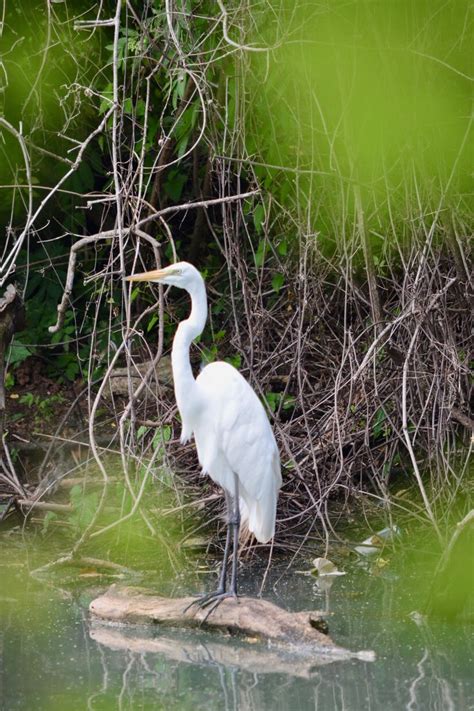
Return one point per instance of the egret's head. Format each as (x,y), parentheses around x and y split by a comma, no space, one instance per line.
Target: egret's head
(181,274)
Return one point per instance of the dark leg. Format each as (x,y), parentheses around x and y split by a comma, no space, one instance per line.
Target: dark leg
(209,597)
(234,520)
(223,575)
(235,559)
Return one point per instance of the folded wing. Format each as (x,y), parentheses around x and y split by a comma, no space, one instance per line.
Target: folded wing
(235,436)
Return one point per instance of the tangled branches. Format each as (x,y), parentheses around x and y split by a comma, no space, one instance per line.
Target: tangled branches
(360,351)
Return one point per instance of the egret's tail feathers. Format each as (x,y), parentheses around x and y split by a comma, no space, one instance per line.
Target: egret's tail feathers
(259,516)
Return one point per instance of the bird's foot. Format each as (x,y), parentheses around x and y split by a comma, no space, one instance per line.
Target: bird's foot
(214,601)
(204,600)
(211,600)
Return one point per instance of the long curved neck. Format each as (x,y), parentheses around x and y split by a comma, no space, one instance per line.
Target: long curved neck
(184,383)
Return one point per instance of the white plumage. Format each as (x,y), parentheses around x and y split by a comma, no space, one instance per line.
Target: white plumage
(234,440)
(233,435)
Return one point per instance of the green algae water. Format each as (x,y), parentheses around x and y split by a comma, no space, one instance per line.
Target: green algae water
(54,657)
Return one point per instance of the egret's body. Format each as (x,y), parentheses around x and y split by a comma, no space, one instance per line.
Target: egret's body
(233,436)
(234,440)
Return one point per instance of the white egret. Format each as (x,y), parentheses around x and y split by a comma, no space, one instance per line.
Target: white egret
(234,440)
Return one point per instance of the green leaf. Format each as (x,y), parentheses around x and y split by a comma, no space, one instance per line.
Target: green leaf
(379,419)
(283,248)
(174,184)
(68,364)
(259,218)
(219,306)
(272,400)
(151,323)
(140,107)
(289,401)
(27,399)
(182,145)
(209,355)
(128,106)
(9,380)
(235,360)
(141,432)
(162,435)
(178,91)
(260,253)
(107,99)
(18,353)
(277,282)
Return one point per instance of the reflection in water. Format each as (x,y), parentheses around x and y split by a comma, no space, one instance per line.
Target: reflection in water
(221,676)
(215,650)
(239,667)
(429,680)
(54,658)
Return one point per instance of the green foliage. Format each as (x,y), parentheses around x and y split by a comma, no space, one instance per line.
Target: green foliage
(380,425)
(357,98)
(185,127)
(151,323)
(277,282)
(59,114)
(162,435)
(260,253)
(279,400)
(174,183)
(9,380)
(259,218)
(29,399)
(235,360)
(68,365)
(209,353)
(282,247)
(364,96)
(18,353)
(44,406)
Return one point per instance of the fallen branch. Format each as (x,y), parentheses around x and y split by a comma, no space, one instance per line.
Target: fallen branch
(45,506)
(249,617)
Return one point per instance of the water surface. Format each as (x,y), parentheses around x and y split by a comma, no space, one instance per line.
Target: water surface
(55,657)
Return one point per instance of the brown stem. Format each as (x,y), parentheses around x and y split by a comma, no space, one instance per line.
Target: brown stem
(369,262)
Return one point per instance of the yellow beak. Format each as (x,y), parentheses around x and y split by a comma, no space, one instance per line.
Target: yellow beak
(154,275)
